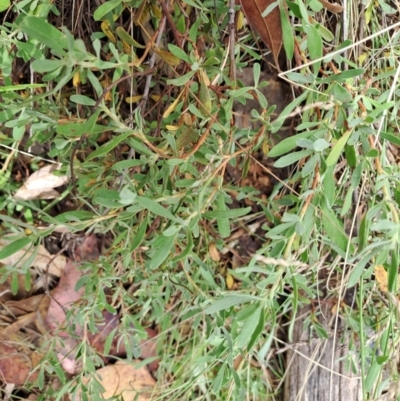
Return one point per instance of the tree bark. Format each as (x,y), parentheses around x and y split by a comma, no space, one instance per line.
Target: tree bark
(311,376)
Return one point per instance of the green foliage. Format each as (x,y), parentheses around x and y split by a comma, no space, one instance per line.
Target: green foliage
(148,174)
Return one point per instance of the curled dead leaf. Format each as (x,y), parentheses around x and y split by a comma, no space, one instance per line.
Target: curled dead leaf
(41,184)
(44,261)
(17,364)
(214,253)
(230,282)
(168,57)
(127,381)
(269,28)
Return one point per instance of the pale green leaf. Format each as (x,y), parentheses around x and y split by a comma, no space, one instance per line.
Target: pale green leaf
(228,302)
(44,33)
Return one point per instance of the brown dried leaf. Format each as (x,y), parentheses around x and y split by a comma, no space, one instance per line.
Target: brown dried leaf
(125,380)
(168,57)
(16,366)
(332,7)
(214,253)
(88,250)
(23,306)
(41,262)
(64,295)
(41,184)
(381,277)
(230,282)
(269,28)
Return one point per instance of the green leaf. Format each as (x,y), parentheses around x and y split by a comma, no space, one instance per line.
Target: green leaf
(340,93)
(9,88)
(391,138)
(46,65)
(338,148)
(291,158)
(82,99)
(288,144)
(188,248)
(246,312)
(224,227)
(258,329)
(326,33)
(256,73)
(248,328)
(227,214)
(341,77)
(277,124)
(105,8)
(270,8)
(228,302)
(314,44)
(351,155)
(44,33)
(287,32)
(219,378)
(105,197)
(303,11)
(14,247)
(75,130)
(157,209)
(4,4)
(123,35)
(178,52)
(162,251)
(181,80)
(373,372)
(109,146)
(334,229)
(75,216)
(301,78)
(139,236)
(294,8)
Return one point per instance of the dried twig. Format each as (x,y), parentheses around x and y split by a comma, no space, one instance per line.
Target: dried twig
(232,39)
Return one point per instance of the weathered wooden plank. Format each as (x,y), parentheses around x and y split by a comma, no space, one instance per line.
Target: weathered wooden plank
(311,376)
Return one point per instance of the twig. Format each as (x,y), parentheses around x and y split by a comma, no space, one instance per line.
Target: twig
(118,81)
(151,65)
(171,23)
(232,39)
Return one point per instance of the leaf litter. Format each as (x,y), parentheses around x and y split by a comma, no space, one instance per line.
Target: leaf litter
(41,184)
(44,317)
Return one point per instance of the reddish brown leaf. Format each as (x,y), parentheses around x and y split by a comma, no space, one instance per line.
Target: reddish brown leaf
(269,28)
(88,250)
(125,381)
(17,366)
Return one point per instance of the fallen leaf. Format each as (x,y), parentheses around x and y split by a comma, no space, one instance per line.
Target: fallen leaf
(106,28)
(64,295)
(168,57)
(126,381)
(229,281)
(88,250)
(41,184)
(111,322)
(214,253)
(44,261)
(332,7)
(23,306)
(52,318)
(381,277)
(269,28)
(17,366)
